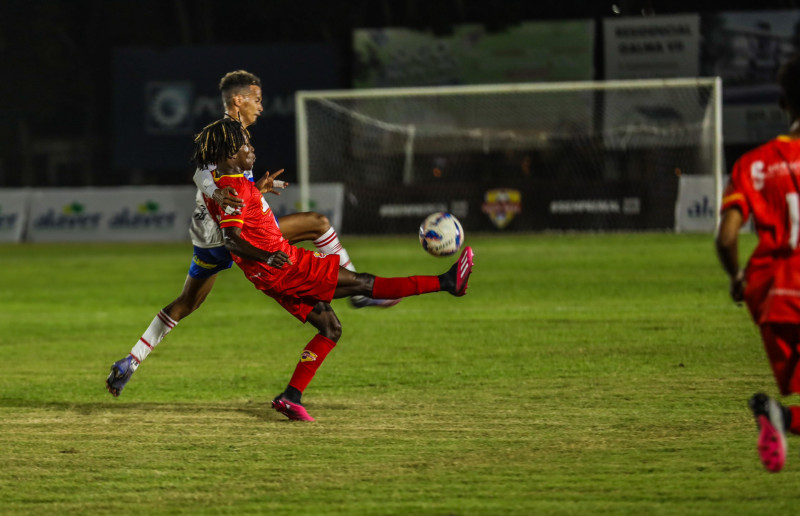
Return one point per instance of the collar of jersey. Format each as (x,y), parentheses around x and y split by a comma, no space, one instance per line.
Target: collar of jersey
(216,180)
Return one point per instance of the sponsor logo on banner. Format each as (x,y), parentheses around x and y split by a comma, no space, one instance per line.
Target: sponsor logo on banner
(169,107)
(702,209)
(501,204)
(175,108)
(72,216)
(146,216)
(410,210)
(628,206)
(7,220)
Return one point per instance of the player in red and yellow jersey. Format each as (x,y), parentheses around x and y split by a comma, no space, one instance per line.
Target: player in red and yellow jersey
(302,281)
(765,185)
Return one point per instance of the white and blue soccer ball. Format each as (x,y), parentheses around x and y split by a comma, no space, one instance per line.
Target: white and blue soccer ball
(441,234)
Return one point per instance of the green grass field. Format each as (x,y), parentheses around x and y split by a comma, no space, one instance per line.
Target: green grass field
(582,374)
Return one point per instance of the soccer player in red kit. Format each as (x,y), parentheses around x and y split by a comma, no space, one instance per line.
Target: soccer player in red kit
(765,184)
(301,281)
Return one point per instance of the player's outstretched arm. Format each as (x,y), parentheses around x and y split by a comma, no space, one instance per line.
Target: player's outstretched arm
(244,249)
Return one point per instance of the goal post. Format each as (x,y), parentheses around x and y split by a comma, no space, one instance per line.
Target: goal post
(595,155)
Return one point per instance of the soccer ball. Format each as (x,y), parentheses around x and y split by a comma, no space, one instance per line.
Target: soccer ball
(441,234)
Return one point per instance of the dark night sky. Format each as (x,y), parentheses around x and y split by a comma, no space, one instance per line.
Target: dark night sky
(56,54)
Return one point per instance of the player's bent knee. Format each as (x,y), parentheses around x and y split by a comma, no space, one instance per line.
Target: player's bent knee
(332,329)
(322,223)
(324,319)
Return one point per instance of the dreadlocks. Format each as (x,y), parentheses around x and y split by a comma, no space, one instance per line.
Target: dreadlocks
(218,141)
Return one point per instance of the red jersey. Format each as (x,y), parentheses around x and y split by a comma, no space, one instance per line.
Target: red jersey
(258,223)
(765,184)
(311,278)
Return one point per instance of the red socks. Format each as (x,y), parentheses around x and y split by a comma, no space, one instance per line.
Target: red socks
(312,357)
(395,288)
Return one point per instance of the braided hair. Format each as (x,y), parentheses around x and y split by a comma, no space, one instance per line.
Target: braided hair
(218,141)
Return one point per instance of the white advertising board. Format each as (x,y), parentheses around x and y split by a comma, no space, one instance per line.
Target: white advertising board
(696,207)
(130,214)
(324,198)
(126,214)
(13,213)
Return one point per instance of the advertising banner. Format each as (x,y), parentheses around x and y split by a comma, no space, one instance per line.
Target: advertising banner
(13,213)
(696,207)
(324,198)
(127,214)
(652,47)
(130,214)
(746,49)
(648,204)
(162,97)
(527,52)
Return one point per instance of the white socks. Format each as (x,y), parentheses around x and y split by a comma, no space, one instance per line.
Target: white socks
(158,329)
(329,244)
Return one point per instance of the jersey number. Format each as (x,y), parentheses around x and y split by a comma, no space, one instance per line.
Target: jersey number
(793,204)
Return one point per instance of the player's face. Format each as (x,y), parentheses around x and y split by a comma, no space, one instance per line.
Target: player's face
(249,105)
(245,158)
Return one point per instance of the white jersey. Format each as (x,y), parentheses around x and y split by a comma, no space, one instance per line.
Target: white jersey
(203,230)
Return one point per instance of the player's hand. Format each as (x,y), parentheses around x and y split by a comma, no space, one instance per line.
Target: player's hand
(269,183)
(278,259)
(226,198)
(737,287)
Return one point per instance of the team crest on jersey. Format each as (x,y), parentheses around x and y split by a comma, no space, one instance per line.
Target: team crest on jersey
(317,254)
(308,356)
(501,204)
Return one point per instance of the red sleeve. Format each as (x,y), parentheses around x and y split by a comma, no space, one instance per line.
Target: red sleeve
(734,195)
(234,219)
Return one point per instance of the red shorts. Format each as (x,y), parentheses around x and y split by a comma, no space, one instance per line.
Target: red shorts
(781,342)
(298,287)
(773,290)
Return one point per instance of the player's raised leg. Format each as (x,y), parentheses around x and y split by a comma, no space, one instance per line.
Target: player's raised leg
(454,281)
(298,227)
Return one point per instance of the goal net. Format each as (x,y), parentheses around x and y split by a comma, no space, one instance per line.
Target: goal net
(586,156)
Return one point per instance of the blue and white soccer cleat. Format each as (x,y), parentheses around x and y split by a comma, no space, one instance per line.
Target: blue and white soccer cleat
(121,372)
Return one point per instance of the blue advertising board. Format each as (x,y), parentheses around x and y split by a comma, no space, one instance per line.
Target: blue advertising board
(164,96)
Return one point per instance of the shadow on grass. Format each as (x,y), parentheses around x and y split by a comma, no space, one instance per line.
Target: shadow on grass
(258,410)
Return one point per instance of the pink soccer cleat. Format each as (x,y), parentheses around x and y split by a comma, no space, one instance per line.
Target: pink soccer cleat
(771,431)
(294,411)
(455,280)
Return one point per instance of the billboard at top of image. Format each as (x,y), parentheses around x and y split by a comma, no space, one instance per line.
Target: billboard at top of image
(651,47)
(746,49)
(163,97)
(527,52)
